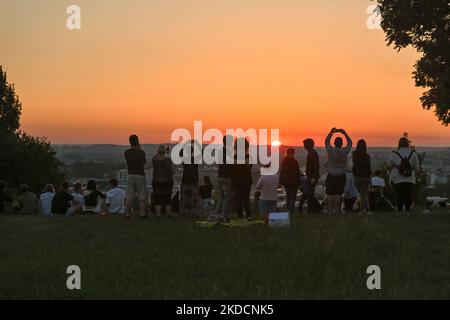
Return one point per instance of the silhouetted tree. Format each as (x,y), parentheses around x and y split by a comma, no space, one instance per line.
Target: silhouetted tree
(10,106)
(23,158)
(424,25)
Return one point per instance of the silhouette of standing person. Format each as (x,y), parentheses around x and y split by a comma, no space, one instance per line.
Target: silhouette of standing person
(312,175)
(404,165)
(224,175)
(336,169)
(241,178)
(362,171)
(162,182)
(290,178)
(136,182)
(190,197)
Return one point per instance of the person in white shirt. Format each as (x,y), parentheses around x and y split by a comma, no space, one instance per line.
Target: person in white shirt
(377,181)
(115,198)
(45,200)
(404,165)
(268,185)
(77,201)
(350,192)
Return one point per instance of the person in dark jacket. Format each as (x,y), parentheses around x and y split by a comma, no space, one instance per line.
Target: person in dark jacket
(93,199)
(312,175)
(162,183)
(290,178)
(62,199)
(4,197)
(362,171)
(190,198)
(241,179)
(136,179)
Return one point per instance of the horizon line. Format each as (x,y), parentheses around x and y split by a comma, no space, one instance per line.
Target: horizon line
(282,145)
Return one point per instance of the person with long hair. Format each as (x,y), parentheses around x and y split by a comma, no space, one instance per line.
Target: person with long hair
(362,171)
(45,200)
(93,199)
(404,165)
(162,183)
(336,169)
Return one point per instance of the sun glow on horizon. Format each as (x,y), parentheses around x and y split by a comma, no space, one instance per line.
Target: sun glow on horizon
(276,143)
(150,67)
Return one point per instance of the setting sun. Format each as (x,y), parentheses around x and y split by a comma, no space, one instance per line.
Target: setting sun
(276,143)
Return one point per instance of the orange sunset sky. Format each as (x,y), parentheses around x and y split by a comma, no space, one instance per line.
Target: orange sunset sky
(149,67)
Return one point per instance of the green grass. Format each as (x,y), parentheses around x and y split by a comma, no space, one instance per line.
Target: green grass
(317,257)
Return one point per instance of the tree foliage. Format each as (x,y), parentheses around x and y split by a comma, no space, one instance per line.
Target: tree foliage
(10,106)
(24,158)
(424,25)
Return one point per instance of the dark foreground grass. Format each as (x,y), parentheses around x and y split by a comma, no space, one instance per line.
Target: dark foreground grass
(317,257)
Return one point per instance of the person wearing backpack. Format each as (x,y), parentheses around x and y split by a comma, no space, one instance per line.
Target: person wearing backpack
(404,165)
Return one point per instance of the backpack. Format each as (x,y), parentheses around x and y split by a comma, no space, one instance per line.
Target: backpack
(405,169)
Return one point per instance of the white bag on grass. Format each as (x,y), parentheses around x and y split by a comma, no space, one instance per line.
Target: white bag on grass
(279,219)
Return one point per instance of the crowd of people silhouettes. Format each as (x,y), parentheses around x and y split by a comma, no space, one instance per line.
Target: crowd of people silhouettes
(349,177)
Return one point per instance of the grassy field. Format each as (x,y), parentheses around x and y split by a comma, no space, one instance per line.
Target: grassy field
(317,257)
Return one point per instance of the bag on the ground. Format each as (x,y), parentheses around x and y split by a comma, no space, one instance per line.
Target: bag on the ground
(279,219)
(405,168)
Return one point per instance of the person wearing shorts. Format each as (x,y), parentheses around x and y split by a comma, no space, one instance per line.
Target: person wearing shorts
(336,169)
(136,182)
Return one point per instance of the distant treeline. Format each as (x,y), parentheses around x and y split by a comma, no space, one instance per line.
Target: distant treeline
(92,169)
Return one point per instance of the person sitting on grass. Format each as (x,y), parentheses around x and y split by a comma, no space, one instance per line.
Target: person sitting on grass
(4,197)
(350,192)
(206,195)
(93,199)
(115,198)
(61,201)
(28,202)
(45,200)
(77,201)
